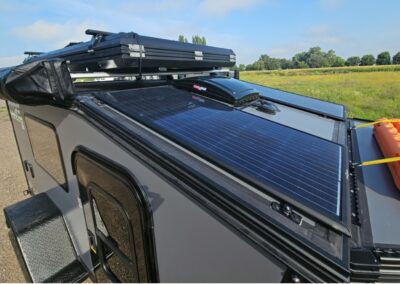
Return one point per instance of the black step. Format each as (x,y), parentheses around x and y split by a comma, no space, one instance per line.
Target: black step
(42,241)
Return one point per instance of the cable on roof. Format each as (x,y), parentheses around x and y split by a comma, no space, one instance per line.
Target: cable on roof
(377,162)
(376,122)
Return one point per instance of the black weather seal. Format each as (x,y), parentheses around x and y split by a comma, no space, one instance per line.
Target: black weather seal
(359,196)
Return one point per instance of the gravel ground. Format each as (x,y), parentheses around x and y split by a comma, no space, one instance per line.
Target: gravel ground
(12,184)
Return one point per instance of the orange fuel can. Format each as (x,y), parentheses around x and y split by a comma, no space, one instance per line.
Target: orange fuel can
(387,133)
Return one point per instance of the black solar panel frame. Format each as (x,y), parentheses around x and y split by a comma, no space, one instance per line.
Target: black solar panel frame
(343,221)
(260,185)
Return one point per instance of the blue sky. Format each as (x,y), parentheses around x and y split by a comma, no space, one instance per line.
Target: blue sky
(279,28)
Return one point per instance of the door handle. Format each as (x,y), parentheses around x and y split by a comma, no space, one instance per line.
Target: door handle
(29,168)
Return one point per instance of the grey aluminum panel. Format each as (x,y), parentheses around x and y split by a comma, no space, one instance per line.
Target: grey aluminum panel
(318,106)
(382,196)
(299,119)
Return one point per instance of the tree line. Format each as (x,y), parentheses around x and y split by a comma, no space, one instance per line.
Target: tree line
(316,58)
(196,39)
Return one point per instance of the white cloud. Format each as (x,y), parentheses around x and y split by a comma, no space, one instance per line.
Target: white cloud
(55,35)
(222,7)
(8,61)
(41,30)
(161,18)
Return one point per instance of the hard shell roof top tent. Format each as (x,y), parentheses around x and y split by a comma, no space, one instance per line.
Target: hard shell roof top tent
(148,160)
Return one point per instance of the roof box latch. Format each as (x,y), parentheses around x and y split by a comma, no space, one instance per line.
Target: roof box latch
(198,55)
(136,50)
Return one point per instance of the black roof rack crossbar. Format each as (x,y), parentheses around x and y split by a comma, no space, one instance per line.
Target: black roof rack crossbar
(32,53)
(97,33)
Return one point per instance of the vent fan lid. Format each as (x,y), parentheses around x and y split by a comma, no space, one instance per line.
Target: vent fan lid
(224,89)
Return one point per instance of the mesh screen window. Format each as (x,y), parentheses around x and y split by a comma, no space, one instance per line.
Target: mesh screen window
(45,147)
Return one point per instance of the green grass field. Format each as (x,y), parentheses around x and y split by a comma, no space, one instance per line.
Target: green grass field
(367,92)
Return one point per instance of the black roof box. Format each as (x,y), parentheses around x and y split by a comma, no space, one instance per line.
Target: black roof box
(130,52)
(228,90)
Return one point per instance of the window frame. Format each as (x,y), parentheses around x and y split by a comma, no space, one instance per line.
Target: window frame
(102,240)
(139,193)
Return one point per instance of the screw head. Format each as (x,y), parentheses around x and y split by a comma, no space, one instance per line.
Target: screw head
(296,279)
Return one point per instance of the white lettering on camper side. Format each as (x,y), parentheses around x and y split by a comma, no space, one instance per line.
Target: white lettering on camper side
(16,113)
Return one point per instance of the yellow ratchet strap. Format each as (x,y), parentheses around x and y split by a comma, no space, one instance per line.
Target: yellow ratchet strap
(93,249)
(379,161)
(376,122)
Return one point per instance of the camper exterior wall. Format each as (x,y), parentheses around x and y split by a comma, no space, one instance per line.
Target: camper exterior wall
(192,245)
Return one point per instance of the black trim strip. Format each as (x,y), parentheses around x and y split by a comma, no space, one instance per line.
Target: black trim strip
(360,192)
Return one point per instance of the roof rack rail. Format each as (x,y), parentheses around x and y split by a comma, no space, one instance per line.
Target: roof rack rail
(97,32)
(73,43)
(33,53)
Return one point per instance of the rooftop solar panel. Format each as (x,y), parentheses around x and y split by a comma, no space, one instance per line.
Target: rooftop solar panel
(274,157)
(317,106)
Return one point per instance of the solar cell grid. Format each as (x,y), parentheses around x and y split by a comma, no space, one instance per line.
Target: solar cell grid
(299,165)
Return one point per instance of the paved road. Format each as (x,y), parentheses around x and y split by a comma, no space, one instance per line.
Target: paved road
(12,183)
